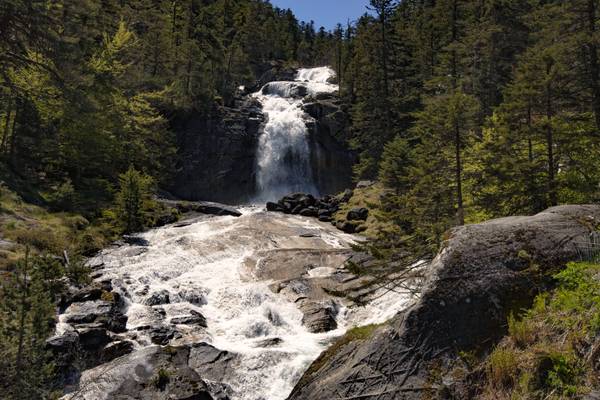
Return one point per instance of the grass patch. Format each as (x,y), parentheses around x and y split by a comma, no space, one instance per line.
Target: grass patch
(44,232)
(549,352)
(502,364)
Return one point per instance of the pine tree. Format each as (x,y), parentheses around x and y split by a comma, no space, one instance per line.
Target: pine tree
(134,190)
(26,320)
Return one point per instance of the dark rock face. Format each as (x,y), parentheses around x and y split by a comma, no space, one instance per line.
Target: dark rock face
(319,317)
(158,298)
(331,159)
(96,318)
(218,153)
(115,350)
(483,272)
(271,72)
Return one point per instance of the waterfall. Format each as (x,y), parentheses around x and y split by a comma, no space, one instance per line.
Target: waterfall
(248,277)
(283,156)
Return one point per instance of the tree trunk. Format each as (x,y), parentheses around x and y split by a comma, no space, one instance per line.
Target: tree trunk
(174,34)
(460,214)
(593,60)
(384,55)
(552,195)
(6,132)
(13,134)
(24,287)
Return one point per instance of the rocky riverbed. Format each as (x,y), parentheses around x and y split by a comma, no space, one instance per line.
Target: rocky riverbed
(223,307)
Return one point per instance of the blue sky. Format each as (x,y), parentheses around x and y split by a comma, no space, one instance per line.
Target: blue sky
(325,13)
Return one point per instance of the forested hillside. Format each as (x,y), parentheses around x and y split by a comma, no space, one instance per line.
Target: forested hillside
(88,88)
(474,109)
(88,92)
(459,111)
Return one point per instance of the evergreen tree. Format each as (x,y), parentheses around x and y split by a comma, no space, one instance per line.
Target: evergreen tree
(134,191)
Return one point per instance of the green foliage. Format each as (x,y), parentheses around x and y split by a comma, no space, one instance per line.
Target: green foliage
(26,320)
(134,192)
(522,332)
(548,353)
(475,110)
(162,379)
(564,375)
(502,366)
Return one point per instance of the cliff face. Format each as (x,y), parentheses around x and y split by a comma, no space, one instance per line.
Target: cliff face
(218,153)
(331,159)
(483,272)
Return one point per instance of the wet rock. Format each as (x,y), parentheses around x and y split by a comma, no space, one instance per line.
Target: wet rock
(213,364)
(478,278)
(309,212)
(274,207)
(309,234)
(87,294)
(358,214)
(135,240)
(162,335)
(346,226)
(274,317)
(93,336)
(158,298)
(106,313)
(319,317)
(115,322)
(194,319)
(151,373)
(87,311)
(193,297)
(115,350)
(323,208)
(272,342)
(203,207)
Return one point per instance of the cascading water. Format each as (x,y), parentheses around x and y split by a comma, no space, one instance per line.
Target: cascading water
(283,150)
(245,275)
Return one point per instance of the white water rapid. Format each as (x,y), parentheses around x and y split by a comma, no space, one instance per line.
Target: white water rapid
(283,150)
(251,277)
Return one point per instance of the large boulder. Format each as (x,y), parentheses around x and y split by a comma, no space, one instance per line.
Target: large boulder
(482,273)
(202,207)
(157,373)
(107,313)
(319,316)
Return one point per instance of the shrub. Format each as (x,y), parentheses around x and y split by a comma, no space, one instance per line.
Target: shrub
(564,375)
(503,368)
(62,197)
(521,331)
(162,379)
